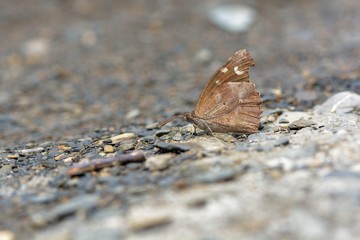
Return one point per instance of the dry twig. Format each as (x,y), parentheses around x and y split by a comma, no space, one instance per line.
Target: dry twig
(80,168)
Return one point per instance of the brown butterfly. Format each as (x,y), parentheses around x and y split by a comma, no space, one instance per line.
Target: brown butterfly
(229,101)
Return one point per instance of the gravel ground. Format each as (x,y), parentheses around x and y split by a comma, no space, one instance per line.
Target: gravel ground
(82,82)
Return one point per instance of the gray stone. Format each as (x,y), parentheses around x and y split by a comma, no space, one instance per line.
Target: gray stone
(288,117)
(344,174)
(169,147)
(343,102)
(4,170)
(281,141)
(177,137)
(158,162)
(162,132)
(301,123)
(141,218)
(210,145)
(81,203)
(216,175)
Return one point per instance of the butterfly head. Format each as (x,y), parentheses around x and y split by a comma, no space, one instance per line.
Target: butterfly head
(199,122)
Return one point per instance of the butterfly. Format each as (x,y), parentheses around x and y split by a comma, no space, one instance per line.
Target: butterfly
(229,101)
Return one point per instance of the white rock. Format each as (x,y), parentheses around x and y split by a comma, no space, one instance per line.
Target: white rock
(233,18)
(342,102)
(133,113)
(36,48)
(204,55)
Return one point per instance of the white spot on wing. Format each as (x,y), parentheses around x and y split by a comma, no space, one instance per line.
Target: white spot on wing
(217,82)
(224,70)
(237,71)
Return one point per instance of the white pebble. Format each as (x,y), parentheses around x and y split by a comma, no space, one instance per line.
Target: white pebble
(233,18)
(37,47)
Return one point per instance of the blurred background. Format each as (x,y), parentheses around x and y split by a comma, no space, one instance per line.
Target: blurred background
(69,67)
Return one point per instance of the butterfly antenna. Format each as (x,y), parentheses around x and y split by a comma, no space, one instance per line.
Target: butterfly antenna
(169,120)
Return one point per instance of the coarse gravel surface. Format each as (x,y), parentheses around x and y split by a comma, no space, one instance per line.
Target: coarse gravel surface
(82,82)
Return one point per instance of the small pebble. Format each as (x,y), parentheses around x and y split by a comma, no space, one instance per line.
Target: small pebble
(149,139)
(133,166)
(118,138)
(64,148)
(7,235)
(36,49)
(216,175)
(31,150)
(69,159)
(281,141)
(204,56)
(301,123)
(283,120)
(271,118)
(46,144)
(162,132)
(12,156)
(158,162)
(141,218)
(195,197)
(80,203)
(258,137)
(133,113)
(4,170)
(127,145)
(169,147)
(177,137)
(210,144)
(109,149)
(40,198)
(59,157)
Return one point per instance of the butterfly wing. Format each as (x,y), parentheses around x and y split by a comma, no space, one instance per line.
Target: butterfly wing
(229,102)
(236,69)
(238,109)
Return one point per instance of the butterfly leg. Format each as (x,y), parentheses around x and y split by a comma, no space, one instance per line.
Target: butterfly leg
(208,128)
